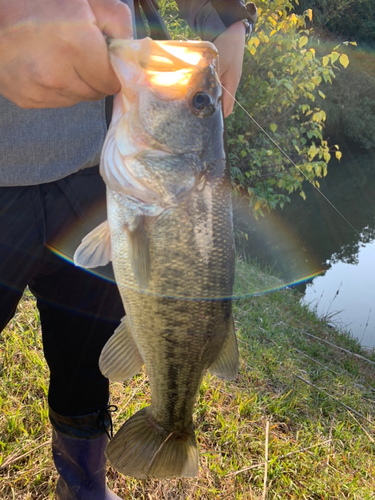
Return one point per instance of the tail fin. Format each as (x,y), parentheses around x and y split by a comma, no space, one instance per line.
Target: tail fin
(141,448)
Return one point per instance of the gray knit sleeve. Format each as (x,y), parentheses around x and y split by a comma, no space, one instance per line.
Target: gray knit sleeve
(202,18)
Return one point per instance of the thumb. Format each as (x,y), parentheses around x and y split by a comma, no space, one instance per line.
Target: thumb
(113,17)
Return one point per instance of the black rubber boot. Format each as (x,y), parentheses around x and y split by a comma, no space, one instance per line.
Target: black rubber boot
(78,445)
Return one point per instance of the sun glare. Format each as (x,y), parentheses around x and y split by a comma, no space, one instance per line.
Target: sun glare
(184,53)
(170,78)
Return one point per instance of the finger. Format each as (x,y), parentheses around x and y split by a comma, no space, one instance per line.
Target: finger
(92,63)
(40,96)
(114,18)
(49,100)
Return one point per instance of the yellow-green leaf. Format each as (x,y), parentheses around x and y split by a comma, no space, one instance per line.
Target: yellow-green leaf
(255,41)
(344,60)
(317,117)
(271,21)
(338,155)
(334,57)
(252,50)
(303,41)
(273,127)
(325,61)
(313,151)
(316,80)
(263,37)
(326,156)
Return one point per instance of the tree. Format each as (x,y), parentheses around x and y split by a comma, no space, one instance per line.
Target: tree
(348,19)
(280,84)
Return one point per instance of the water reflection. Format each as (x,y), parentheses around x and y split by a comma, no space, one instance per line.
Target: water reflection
(345,295)
(308,237)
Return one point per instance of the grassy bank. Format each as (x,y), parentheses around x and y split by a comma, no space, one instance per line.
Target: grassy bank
(298,422)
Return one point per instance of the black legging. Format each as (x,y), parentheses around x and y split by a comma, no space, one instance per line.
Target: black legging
(79,310)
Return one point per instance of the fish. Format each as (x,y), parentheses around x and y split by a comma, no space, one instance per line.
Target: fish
(169,235)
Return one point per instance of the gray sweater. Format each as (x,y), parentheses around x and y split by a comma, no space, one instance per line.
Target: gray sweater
(44,145)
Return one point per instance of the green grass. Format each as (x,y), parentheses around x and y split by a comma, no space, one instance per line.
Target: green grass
(306,405)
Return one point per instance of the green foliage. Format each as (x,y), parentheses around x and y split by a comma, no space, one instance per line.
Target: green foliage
(350,102)
(348,19)
(280,84)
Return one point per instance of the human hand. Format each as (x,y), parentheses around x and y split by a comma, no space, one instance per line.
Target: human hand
(54,54)
(230,45)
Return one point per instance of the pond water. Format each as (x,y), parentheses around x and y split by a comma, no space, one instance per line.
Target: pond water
(309,245)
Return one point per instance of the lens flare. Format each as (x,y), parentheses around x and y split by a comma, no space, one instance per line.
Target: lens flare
(257,289)
(271,239)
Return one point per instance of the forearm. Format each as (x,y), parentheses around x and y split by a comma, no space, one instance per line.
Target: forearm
(220,21)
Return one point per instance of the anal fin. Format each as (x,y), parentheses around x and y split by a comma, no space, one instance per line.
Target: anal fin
(120,358)
(141,448)
(227,364)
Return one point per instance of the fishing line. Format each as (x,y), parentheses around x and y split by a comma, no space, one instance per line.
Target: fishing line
(293,163)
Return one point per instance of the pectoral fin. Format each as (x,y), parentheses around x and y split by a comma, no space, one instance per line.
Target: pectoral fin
(95,249)
(139,253)
(120,358)
(227,364)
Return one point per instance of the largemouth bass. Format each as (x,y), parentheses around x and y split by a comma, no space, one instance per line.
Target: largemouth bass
(169,235)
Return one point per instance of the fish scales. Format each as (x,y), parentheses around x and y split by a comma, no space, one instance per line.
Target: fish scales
(171,244)
(195,328)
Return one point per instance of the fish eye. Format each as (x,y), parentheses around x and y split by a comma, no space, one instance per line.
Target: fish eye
(203,104)
(202,100)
